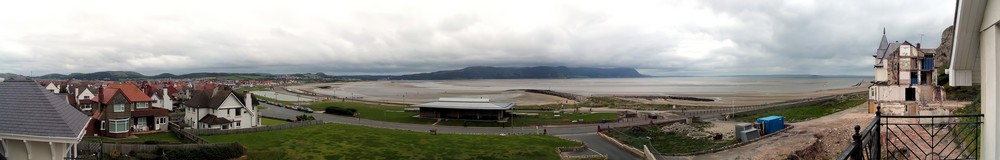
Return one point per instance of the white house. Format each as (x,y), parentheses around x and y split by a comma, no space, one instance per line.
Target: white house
(53,87)
(44,127)
(82,92)
(162,99)
(220,107)
(975,61)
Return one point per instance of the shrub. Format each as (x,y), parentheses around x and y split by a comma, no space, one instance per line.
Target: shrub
(304,118)
(341,111)
(144,155)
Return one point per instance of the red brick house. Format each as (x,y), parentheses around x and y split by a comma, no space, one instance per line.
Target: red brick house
(123,109)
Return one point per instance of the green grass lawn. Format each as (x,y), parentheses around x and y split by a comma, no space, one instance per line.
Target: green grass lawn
(271,121)
(340,141)
(160,137)
(392,113)
(805,113)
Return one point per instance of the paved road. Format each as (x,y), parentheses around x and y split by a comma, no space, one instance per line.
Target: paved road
(595,142)
(584,132)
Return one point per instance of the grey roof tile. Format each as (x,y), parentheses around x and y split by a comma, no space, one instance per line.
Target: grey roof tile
(28,109)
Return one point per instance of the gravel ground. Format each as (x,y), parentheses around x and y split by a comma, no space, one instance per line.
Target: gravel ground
(821,138)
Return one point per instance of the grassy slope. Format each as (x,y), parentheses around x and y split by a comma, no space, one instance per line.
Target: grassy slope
(339,141)
(162,137)
(393,113)
(805,113)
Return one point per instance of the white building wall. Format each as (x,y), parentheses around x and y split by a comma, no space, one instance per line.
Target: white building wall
(247,118)
(990,90)
(85,93)
(881,74)
(52,87)
(228,111)
(18,149)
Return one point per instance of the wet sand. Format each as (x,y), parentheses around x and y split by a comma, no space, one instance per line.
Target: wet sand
(413,92)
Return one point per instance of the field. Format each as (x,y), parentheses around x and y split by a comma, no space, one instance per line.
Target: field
(159,137)
(392,113)
(340,141)
(805,113)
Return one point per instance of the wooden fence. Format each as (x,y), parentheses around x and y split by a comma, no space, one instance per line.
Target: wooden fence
(208,132)
(184,135)
(86,146)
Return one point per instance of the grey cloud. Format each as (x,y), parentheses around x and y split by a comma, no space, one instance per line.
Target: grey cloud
(657,37)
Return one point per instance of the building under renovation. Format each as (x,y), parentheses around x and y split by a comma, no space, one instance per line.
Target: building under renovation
(904,78)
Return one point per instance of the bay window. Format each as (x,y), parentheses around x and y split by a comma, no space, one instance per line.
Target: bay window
(118,125)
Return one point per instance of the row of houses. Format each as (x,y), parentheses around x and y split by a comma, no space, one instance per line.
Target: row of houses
(46,119)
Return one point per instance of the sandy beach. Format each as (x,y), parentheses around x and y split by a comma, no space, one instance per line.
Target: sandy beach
(744,92)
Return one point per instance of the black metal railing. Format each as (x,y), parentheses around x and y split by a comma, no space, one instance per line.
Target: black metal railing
(916,137)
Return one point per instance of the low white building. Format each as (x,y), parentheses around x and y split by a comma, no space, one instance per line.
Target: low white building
(220,108)
(37,124)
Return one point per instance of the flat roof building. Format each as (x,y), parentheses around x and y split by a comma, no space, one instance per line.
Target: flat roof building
(465,108)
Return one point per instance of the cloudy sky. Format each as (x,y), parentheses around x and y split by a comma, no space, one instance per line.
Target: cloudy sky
(672,37)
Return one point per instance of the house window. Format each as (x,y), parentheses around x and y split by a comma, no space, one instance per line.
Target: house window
(119,107)
(119,126)
(238,112)
(140,122)
(86,97)
(142,105)
(237,123)
(163,120)
(85,107)
(102,124)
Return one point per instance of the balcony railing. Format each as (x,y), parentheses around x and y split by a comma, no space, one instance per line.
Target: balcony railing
(916,137)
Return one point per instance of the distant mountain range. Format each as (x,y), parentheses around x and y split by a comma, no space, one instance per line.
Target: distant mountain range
(539,72)
(125,75)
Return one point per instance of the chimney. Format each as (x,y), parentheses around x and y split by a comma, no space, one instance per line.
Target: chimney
(249,102)
(100,98)
(918,45)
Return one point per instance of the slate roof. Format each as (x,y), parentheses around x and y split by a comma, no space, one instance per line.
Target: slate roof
(213,120)
(28,109)
(213,98)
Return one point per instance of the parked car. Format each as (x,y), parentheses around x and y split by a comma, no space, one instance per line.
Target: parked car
(291,107)
(306,109)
